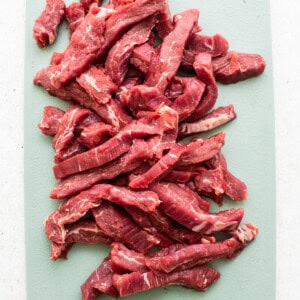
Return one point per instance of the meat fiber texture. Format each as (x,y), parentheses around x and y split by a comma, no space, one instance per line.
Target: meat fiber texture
(125,176)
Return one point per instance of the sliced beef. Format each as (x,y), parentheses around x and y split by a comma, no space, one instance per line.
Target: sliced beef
(200,150)
(215,45)
(117,224)
(46,26)
(51,120)
(65,132)
(100,87)
(157,123)
(236,66)
(95,134)
(75,13)
(99,282)
(73,148)
(141,57)
(79,232)
(163,69)
(165,23)
(126,163)
(84,45)
(124,18)
(180,176)
(198,254)
(186,103)
(203,69)
(234,187)
(199,278)
(124,260)
(143,97)
(190,215)
(216,118)
(210,181)
(86,4)
(160,169)
(118,57)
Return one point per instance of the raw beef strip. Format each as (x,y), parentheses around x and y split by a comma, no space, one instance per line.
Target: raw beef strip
(186,103)
(126,163)
(75,13)
(165,23)
(160,169)
(143,97)
(52,117)
(198,254)
(200,150)
(46,26)
(180,176)
(164,68)
(125,17)
(84,45)
(217,117)
(149,123)
(215,45)
(77,206)
(68,212)
(72,149)
(65,132)
(203,69)
(99,86)
(79,232)
(199,278)
(124,260)
(210,181)
(95,134)
(117,224)
(56,58)
(164,224)
(236,66)
(118,57)
(190,215)
(141,57)
(86,4)
(73,91)
(234,187)
(99,282)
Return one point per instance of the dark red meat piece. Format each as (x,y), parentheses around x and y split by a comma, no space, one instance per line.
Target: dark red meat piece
(72,149)
(84,45)
(215,45)
(160,169)
(118,57)
(157,123)
(125,17)
(75,13)
(198,254)
(124,260)
(236,66)
(190,215)
(141,56)
(65,132)
(52,117)
(86,4)
(126,163)
(117,224)
(216,118)
(79,232)
(95,134)
(199,278)
(99,282)
(46,26)
(200,150)
(203,69)
(164,68)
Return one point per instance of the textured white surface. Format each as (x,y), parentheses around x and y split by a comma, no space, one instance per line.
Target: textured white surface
(286,49)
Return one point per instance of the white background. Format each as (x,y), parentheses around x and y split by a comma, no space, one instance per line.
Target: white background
(286,51)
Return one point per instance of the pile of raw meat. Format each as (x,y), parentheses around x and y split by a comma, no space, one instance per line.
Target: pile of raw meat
(127,177)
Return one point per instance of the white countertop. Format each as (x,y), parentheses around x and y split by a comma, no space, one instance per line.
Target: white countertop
(286,50)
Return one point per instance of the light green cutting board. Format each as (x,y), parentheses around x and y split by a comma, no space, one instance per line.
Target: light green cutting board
(249,150)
